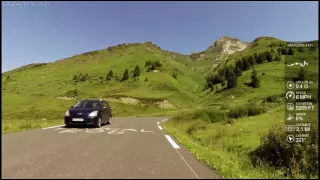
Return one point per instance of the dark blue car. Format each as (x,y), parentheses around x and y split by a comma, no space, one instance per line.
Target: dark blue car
(89,113)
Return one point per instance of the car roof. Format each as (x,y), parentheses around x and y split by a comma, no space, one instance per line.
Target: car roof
(92,100)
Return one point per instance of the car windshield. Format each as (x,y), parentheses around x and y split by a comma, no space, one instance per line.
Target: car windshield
(87,104)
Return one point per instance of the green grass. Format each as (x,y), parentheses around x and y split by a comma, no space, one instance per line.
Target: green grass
(225,147)
(221,128)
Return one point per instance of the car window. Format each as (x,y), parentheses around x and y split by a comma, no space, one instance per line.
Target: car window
(104,104)
(87,104)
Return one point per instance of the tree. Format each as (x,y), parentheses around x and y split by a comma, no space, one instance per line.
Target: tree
(251,60)
(279,51)
(232,80)
(223,82)
(146,79)
(259,58)
(302,74)
(239,64)
(136,71)
(255,82)
(290,52)
(300,49)
(272,50)
(268,56)
(245,63)
(125,75)
(237,71)
(256,57)
(148,63)
(222,72)
(157,63)
(284,51)
(110,74)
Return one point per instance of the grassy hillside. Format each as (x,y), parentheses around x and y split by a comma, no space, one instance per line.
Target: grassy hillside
(31,92)
(245,123)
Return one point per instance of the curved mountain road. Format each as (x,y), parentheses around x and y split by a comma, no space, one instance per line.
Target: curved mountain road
(128,148)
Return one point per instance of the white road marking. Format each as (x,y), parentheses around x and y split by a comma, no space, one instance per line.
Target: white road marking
(60,128)
(187,164)
(159,127)
(158,123)
(164,120)
(129,130)
(53,126)
(70,131)
(174,145)
(142,130)
(98,130)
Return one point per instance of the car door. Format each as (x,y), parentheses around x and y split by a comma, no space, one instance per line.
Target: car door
(104,112)
(109,110)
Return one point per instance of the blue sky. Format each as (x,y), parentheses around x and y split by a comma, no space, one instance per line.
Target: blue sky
(48,32)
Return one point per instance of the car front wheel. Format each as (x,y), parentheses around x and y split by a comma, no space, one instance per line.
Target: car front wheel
(98,125)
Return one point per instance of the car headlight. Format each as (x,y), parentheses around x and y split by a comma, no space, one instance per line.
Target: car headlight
(67,113)
(94,113)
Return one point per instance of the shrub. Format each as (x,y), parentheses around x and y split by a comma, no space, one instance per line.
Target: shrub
(108,78)
(238,112)
(277,58)
(302,74)
(75,78)
(146,79)
(174,75)
(255,82)
(255,109)
(293,158)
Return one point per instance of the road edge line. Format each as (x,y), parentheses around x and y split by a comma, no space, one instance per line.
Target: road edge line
(187,164)
(53,126)
(171,141)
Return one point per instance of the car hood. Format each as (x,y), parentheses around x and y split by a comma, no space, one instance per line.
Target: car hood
(82,110)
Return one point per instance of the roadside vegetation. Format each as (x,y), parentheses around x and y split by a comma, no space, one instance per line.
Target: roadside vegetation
(242,135)
(228,110)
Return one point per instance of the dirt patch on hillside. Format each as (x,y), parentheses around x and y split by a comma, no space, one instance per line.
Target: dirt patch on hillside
(66,98)
(159,103)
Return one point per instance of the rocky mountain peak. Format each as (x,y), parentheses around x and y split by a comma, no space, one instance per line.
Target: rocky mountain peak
(227,45)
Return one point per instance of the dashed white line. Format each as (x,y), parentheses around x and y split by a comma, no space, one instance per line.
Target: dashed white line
(171,141)
(159,127)
(158,123)
(53,126)
(164,120)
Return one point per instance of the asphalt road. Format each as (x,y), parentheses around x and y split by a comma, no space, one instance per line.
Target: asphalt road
(128,148)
